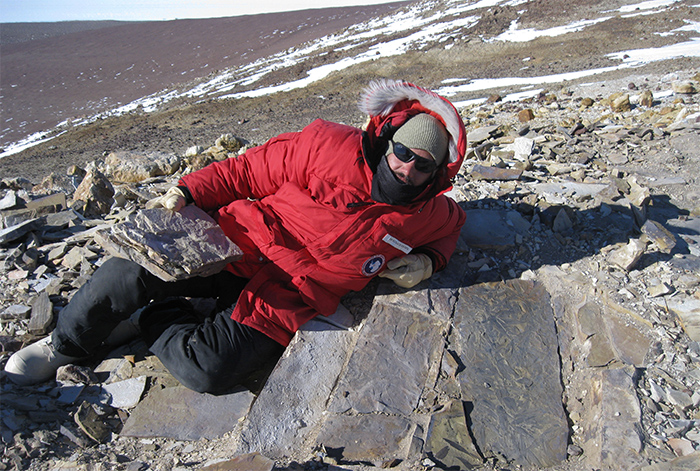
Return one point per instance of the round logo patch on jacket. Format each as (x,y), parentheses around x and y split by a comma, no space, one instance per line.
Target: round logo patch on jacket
(372,265)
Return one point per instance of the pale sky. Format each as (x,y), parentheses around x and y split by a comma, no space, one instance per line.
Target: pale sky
(14,11)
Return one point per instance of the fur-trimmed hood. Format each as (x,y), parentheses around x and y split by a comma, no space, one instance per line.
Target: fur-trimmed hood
(390,103)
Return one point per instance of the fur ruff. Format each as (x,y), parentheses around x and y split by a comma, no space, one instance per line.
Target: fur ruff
(381,96)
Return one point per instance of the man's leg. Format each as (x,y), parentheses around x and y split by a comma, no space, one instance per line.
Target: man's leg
(116,290)
(214,356)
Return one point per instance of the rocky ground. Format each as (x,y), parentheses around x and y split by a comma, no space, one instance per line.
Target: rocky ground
(608,207)
(611,170)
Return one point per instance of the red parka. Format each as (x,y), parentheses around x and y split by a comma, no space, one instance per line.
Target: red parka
(299,207)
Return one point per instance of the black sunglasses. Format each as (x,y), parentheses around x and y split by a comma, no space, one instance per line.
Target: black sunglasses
(404,154)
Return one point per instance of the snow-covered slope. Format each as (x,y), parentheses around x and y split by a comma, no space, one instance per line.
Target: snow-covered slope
(456,27)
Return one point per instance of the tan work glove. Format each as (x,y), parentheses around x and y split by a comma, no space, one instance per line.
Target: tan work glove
(173,199)
(410,270)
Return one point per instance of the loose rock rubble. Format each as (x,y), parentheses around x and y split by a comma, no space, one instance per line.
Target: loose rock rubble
(593,196)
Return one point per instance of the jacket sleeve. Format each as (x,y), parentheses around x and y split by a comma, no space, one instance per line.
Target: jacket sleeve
(256,174)
(441,249)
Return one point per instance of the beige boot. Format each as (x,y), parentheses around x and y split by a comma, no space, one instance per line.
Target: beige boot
(36,363)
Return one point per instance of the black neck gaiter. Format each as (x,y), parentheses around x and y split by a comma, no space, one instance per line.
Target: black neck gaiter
(387,188)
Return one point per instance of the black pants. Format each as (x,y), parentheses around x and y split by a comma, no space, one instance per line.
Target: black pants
(213,355)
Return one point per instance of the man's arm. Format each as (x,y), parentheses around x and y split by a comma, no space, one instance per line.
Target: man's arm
(253,175)
(427,259)
(441,249)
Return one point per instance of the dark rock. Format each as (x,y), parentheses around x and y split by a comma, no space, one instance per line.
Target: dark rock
(526,115)
(42,314)
(19,230)
(659,235)
(505,336)
(91,423)
(183,414)
(449,441)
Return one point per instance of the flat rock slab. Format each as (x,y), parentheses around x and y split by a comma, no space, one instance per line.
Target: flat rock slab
(506,339)
(374,413)
(282,421)
(368,438)
(616,442)
(611,337)
(354,392)
(554,192)
(171,245)
(127,393)
(183,414)
(249,462)
(389,367)
(480,172)
(18,230)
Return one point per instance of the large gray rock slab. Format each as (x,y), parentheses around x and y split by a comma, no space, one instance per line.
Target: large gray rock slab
(390,364)
(183,414)
(376,413)
(504,335)
(285,418)
(172,245)
(436,301)
(368,437)
(353,391)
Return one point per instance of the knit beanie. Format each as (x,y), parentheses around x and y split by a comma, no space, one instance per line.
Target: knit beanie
(425,132)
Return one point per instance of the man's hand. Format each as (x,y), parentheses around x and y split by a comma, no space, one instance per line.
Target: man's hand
(173,199)
(410,270)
